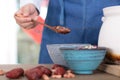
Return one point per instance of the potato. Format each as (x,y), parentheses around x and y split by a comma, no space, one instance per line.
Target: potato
(15,73)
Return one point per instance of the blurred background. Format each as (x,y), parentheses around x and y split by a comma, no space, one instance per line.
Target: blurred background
(16,46)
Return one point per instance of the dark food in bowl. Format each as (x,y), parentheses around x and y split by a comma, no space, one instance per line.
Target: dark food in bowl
(84,47)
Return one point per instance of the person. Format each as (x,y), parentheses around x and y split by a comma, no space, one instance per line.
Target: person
(83,17)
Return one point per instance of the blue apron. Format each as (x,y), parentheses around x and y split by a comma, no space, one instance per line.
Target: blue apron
(83,17)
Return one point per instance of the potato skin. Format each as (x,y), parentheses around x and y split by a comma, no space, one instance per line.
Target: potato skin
(36,73)
(56,65)
(45,70)
(58,69)
(33,74)
(15,73)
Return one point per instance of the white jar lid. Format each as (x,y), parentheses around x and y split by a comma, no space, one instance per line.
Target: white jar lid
(111,11)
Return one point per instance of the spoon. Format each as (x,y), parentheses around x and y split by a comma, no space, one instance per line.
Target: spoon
(57,29)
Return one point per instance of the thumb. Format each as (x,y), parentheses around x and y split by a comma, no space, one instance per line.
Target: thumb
(26,12)
(35,18)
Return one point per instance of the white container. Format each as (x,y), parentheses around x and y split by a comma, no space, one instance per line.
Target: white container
(109,35)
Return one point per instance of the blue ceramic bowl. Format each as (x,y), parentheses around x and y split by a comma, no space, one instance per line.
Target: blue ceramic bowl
(83,61)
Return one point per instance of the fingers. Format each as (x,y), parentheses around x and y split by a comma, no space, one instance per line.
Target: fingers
(26,16)
(23,19)
(28,25)
(26,12)
(25,22)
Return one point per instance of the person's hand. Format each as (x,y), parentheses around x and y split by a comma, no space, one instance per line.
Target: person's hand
(26,16)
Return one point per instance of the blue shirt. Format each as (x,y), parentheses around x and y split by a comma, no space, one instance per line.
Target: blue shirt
(83,17)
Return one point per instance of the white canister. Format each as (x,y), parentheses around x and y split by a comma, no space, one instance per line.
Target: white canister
(109,35)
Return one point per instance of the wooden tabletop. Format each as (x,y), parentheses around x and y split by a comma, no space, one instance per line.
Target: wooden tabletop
(98,75)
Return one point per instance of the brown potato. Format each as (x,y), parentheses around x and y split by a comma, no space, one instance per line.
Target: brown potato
(15,73)
(59,71)
(37,72)
(33,74)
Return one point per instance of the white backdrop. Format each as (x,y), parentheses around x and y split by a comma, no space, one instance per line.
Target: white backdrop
(8,32)
(9,28)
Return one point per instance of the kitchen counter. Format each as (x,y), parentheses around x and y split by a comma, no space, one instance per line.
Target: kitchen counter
(98,75)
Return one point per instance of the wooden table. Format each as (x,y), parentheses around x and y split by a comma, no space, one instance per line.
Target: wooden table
(98,75)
